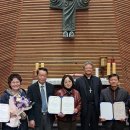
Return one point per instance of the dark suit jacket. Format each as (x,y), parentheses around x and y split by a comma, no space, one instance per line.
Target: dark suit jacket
(128,105)
(81,87)
(34,95)
(122,95)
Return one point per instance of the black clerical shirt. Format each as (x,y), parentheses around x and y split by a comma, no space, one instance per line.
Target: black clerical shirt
(89,87)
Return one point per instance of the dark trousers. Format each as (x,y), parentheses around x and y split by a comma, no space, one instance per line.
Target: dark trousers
(23,126)
(129,121)
(9,128)
(90,120)
(45,123)
(14,128)
(68,125)
(114,125)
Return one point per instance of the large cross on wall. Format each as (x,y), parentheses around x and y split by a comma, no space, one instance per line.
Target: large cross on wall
(69,8)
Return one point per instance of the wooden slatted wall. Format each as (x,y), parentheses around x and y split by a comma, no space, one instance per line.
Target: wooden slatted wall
(9,16)
(122,11)
(40,39)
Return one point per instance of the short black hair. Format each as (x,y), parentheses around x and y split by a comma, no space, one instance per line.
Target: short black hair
(63,79)
(42,68)
(12,76)
(113,75)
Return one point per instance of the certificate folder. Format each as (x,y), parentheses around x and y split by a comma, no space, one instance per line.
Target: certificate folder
(58,104)
(4,112)
(115,111)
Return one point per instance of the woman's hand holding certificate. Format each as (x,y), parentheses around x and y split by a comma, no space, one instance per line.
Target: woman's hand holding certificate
(61,115)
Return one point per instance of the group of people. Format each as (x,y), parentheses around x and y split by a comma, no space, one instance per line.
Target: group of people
(87,93)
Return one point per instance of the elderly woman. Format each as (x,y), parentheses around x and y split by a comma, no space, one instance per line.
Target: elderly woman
(14,89)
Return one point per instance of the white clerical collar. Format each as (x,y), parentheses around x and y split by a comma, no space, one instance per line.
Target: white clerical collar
(88,77)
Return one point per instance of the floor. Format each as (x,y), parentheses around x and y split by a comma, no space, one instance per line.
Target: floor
(78,127)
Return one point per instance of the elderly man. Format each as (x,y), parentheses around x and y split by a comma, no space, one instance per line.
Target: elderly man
(89,87)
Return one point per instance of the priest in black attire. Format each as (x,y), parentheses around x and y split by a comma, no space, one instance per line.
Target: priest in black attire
(89,87)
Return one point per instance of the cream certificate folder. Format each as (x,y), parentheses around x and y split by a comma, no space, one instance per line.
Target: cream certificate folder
(111,111)
(58,104)
(4,112)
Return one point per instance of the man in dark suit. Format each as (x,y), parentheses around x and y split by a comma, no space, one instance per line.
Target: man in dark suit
(112,94)
(89,88)
(38,93)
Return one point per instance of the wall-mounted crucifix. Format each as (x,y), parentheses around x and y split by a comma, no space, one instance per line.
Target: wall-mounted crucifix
(69,8)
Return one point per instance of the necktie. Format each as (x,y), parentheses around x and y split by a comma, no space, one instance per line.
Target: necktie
(44,103)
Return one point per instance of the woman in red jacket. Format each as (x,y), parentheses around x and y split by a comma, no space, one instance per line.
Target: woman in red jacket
(68,121)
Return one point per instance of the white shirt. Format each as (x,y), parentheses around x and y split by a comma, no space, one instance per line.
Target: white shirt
(44,89)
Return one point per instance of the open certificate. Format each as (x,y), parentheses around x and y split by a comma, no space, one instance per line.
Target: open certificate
(4,113)
(58,104)
(54,104)
(111,111)
(106,110)
(119,110)
(67,105)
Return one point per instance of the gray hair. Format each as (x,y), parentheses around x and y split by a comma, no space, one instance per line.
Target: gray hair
(88,63)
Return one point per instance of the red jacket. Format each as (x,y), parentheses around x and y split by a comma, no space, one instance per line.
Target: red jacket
(77,102)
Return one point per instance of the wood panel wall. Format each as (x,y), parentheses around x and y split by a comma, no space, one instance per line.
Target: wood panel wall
(9,17)
(40,39)
(122,11)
